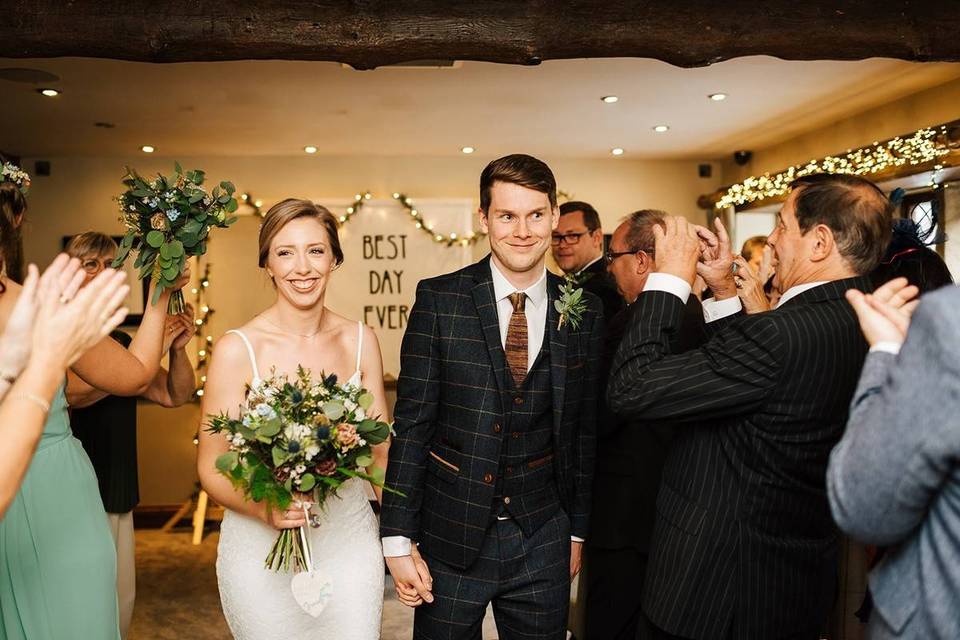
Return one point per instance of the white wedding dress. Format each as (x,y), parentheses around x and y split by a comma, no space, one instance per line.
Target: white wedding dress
(257,602)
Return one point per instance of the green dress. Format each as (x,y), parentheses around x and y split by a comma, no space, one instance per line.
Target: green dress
(58,565)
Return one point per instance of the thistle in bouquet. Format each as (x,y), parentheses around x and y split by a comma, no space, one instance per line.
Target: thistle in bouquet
(301,436)
(168,220)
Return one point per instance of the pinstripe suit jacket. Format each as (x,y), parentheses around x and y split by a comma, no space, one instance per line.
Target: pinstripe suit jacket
(744,540)
(451,405)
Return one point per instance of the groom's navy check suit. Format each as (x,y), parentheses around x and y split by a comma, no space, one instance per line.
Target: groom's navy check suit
(453,405)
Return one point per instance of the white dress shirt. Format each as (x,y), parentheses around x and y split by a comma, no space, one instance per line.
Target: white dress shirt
(535,308)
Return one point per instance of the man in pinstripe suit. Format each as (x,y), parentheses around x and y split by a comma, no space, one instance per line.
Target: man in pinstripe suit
(744,546)
(495,413)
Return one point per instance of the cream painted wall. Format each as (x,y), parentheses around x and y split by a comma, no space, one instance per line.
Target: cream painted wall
(926,108)
(77,197)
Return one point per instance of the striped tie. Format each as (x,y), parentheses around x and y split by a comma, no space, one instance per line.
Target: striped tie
(516,349)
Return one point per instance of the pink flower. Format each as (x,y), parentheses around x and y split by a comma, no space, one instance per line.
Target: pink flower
(347,435)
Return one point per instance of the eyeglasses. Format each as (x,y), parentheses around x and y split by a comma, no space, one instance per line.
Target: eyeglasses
(610,256)
(567,238)
(94,266)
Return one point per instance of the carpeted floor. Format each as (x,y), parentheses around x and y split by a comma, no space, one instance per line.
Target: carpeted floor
(177,595)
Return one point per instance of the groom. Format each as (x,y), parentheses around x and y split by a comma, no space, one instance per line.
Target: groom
(495,413)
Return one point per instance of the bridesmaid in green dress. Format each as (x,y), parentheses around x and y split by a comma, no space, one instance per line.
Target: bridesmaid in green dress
(57,561)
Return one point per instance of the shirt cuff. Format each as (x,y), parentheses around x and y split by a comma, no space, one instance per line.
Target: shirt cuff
(714,309)
(668,283)
(576,539)
(396,546)
(887,347)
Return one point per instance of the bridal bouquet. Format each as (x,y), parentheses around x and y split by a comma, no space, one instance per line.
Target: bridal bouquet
(307,436)
(167,221)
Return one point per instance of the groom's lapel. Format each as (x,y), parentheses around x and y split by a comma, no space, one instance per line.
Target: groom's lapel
(558,351)
(483,299)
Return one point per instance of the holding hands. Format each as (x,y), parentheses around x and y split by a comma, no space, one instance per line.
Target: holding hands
(412,578)
(884,315)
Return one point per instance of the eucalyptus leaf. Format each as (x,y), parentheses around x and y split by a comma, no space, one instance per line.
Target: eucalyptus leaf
(364,461)
(157,293)
(227,461)
(333,410)
(307,482)
(365,400)
(279,456)
(270,428)
(231,206)
(176,249)
(155,239)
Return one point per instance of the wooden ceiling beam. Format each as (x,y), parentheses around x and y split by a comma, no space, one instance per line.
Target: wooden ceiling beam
(371,33)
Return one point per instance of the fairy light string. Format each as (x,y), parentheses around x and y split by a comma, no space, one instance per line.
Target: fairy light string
(923,146)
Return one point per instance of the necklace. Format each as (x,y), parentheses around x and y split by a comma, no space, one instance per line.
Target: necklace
(302,335)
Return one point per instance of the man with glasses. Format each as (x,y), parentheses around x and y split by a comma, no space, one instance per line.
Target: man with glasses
(577,245)
(630,456)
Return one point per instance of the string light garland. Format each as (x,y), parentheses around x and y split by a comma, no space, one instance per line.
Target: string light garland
(416,217)
(923,146)
(204,339)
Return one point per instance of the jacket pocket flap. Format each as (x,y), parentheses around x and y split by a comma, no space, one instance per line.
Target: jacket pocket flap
(442,468)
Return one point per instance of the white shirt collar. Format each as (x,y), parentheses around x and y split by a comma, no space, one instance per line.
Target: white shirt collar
(536,293)
(796,290)
(589,264)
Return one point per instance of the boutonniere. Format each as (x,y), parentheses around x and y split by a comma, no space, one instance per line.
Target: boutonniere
(571,304)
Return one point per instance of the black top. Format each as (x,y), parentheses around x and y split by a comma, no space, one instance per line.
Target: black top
(108,431)
(598,281)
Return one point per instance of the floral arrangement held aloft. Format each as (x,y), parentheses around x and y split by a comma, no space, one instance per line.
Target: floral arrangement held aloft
(302,436)
(168,220)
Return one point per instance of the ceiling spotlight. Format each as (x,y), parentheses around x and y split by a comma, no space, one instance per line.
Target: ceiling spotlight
(609,99)
(661,128)
(50,93)
(467,149)
(617,151)
(310,148)
(146,148)
(717,97)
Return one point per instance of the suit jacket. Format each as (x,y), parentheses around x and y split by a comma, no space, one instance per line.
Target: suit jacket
(894,479)
(744,542)
(598,282)
(631,451)
(450,403)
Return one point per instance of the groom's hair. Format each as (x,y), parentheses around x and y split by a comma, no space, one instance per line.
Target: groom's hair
(287,211)
(520,169)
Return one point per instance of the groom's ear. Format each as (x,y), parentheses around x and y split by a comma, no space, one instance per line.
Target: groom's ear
(483,220)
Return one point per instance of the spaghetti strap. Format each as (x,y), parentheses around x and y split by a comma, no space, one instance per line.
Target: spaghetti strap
(359,342)
(253,357)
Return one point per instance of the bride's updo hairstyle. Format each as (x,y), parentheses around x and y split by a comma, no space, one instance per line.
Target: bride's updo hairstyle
(290,209)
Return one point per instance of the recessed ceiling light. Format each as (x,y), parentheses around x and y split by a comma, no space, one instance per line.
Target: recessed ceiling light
(146,148)
(468,149)
(717,97)
(617,151)
(50,93)
(310,148)
(609,99)
(661,128)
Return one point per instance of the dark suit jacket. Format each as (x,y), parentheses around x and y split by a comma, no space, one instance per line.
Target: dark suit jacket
(744,535)
(598,282)
(450,404)
(631,451)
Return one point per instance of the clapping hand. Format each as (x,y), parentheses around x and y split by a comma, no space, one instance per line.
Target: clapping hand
(677,248)
(716,260)
(884,315)
(16,339)
(750,287)
(70,320)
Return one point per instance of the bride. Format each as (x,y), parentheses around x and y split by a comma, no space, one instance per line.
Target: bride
(299,248)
